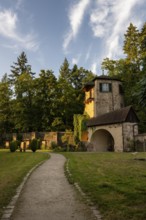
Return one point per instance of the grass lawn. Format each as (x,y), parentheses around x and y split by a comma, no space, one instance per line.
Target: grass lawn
(13,167)
(115,182)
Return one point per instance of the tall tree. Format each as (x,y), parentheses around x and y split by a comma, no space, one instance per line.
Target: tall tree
(71,97)
(45,99)
(143,48)
(131,70)
(131,44)
(64,71)
(23,104)
(20,67)
(6,124)
(21,79)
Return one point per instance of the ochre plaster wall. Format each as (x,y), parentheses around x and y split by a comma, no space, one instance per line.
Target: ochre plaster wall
(89,103)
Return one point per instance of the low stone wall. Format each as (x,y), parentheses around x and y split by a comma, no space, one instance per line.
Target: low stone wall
(140,142)
(46,138)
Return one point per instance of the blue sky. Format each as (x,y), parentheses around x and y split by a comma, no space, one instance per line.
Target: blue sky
(83,31)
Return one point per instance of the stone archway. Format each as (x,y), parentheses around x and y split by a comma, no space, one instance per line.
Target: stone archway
(102,140)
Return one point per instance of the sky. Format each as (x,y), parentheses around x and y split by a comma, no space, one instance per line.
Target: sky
(48,31)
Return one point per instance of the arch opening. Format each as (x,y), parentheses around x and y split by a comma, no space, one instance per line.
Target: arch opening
(102,140)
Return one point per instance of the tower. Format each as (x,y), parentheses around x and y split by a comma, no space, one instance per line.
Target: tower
(104,94)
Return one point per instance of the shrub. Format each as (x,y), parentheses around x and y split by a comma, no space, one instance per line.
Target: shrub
(13,146)
(58,149)
(39,143)
(82,146)
(53,145)
(34,145)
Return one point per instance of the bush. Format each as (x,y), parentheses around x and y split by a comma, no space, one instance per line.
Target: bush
(13,146)
(53,145)
(82,146)
(34,145)
(39,143)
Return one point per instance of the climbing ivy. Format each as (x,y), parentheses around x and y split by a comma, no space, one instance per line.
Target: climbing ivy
(79,126)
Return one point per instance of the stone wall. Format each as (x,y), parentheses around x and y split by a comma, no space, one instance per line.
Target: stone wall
(46,138)
(107,101)
(123,134)
(130,130)
(140,142)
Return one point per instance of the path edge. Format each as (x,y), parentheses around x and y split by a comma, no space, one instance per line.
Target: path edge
(10,207)
(93,208)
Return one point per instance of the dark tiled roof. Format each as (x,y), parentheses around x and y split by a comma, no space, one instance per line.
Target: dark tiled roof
(126,114)
(87,86)
(105,77)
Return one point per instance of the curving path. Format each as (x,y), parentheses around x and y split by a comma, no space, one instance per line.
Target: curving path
(47,195)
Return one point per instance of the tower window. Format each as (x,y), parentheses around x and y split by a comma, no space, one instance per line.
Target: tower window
(121,91)
(105,87)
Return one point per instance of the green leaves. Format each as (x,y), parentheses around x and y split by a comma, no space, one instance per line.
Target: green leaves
(131,70)
(44,103)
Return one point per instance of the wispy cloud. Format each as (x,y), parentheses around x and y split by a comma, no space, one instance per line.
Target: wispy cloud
(88,53)
(9,29)
(109,20)
(94,67)
(76,15)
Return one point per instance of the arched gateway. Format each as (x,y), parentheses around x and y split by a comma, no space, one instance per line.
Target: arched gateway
(113,131)
(102,140)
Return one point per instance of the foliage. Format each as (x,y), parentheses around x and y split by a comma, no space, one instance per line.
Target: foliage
(82,146)
(131,70)
(53,145)
(79,126)
(142,91)
(45,99)
(42,103)
(6,122)
(13,146)
(57,124)
(70,96)
(34,145)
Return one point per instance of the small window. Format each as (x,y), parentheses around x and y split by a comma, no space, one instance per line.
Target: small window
(121,91)
(105,87)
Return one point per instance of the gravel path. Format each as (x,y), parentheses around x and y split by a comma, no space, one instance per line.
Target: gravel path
(47,195)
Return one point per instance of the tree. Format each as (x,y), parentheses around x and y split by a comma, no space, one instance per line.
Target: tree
(79,76)
(131,70)
(5,105)
(20,67)
(71,96)
(23,104)
(64,71)
(45,99)
(131,44)
(22,82)
(143,48)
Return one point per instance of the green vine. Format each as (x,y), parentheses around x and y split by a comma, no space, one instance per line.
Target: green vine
(79,126)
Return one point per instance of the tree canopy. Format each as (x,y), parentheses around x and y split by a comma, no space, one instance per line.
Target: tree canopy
(132,70)
(43,103)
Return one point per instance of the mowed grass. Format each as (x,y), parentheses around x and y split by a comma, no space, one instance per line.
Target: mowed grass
(13,168)
(115,182)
